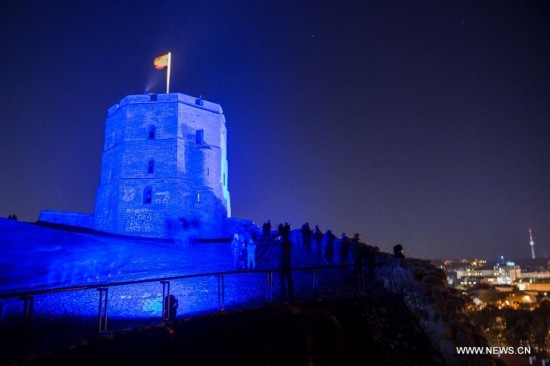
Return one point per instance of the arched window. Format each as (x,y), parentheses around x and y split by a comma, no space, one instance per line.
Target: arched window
(147,195)
(151,166)
(151,132)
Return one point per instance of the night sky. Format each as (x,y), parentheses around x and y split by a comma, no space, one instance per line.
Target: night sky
(420,122)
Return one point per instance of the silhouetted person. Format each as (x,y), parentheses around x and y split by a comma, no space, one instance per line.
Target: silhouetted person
(284,269)
(266,230)
(281,230)
(242,256)
(398,251)
(251,252)
(306,236)
(317,239)
(357,252)
(328,253)
(344,249)
(170,307)
(286,230)
(370,258)
(236,250)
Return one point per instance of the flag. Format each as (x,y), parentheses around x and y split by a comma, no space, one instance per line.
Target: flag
(162,61)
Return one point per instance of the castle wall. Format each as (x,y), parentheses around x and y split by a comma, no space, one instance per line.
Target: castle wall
(164,168)
(75,219)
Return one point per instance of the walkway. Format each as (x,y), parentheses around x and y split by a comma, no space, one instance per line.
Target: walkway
(375,327)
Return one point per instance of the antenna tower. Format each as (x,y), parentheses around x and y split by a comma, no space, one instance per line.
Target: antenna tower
(531,244)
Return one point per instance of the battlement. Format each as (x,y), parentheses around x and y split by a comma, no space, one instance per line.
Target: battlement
(163,98)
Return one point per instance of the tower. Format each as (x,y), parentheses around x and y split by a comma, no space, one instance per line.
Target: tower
(164,168)
(532,244)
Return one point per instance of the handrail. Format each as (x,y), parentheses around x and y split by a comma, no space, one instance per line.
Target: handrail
(157,279)
(103,291)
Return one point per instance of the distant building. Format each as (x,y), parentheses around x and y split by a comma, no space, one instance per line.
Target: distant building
(533,285)
(507,274)
(500,274)
(164,168)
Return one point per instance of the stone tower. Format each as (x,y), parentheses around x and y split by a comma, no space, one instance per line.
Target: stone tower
(164,168)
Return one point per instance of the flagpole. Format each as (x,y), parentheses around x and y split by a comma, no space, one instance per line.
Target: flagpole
(168,73)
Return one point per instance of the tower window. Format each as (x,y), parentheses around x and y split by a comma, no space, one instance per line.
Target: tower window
(151,132)
(151,166)
(147,195)
(199,136)
(199,101)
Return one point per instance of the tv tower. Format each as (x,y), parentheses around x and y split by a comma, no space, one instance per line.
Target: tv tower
(532,244)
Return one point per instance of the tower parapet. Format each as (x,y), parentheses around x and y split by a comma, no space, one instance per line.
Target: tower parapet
(164,168)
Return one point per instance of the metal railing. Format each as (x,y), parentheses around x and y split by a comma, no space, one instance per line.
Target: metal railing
(355,284)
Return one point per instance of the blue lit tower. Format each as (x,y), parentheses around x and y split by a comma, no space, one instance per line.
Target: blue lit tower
(164,168)
(532,244)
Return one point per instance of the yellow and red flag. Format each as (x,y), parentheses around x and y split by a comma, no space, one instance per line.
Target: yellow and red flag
(162,61)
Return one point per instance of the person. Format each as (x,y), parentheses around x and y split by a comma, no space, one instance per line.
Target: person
(328,253)
(170,307)
(398,251)
(344,249)
(306,236)
(286,230)
(281,229)
(266,230)
(251,252)
(370,256)
(236,249)
(182,233)
(363,254)
(284,269)
(317,239)
(242,256)
(356,252)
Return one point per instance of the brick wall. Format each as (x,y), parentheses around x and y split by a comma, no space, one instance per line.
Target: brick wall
(173,150)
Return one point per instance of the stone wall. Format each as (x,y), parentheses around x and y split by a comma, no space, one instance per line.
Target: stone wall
(439,309)
(75,219)
(164,165)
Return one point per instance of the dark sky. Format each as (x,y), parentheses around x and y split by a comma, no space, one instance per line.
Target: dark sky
(420,122)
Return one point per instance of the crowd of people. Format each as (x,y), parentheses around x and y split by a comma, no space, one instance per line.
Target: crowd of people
(346,251)
(243,247)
